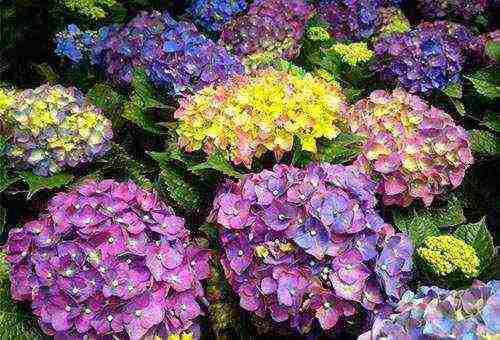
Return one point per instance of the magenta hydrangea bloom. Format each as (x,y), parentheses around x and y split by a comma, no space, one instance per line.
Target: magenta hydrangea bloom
(108,258)
(273,26)
(428,57)
(435,313)
(413,149)
(307,244)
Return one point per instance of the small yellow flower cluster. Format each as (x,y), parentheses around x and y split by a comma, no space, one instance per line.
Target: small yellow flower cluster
(393,21)
(251,114)
(91,8)
(353,53)
(182,336)
(447,254)
(318,33)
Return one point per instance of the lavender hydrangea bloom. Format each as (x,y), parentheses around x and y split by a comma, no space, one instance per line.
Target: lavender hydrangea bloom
(107,259)
(273,26)
(214,14)
(174,54)
(307,244)
(434,313)
(430,56)
(464,9)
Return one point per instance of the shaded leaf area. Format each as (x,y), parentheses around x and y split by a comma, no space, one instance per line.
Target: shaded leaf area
(484,143)
(37,183)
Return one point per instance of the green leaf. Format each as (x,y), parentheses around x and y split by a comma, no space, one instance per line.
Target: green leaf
(459,106)
(486,82)
(5,179)
(217,161)
(46,73)
(454,90)
(492,120)
(493,50)
(484,142)
(478,236)
(344,148)
(105,97)
(421,223)
(37,183)
(3,219)
(141,99)
(173,186)
(172,153)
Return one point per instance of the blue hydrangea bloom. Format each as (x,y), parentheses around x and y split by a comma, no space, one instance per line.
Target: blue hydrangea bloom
(214,14)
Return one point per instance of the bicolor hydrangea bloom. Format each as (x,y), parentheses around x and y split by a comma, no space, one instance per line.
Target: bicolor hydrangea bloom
(430,56)
(249,115)
(108,258)
(55,127)
(307,244)
(464,9)
(413,149)
(268,26)
(214,14)
(435,313)
(392,20)
(447,255)
(174,54)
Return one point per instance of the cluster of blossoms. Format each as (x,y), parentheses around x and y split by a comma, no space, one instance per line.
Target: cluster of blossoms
(435,313)
(91,8)
(251,114)
(466,9)
(447,254)
(74,43)
(214,14)
(392,20)
(307,244)
(353,53)
(108,258)
(351,20)
(268,26)
(318,33)
(413,149)
(173,54)
(54,127)
(427,57)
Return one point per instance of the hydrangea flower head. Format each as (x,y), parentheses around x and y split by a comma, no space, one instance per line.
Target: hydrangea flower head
(353,53)
(447,254)
(268,26)
(251,114)
(464,9)
(392,20)
(214,14)
(108,258)
(414,149)
(55,127)
(318,33)
(307,244)
(174,54)
(428,57)
(435,313)
(74,43)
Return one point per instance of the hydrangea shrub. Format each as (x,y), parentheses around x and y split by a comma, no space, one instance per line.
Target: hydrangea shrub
(214,14)
(447,255)
(435,313)
(54,127)
(249,115)
(307,244)
(108,258)
(269,26)
(427,57)
(463,9)
(173,54)
(413,149)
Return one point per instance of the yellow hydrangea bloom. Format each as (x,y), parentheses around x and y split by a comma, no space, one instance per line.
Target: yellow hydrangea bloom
(91,8)
(250,115)
(353,53)
(447,254)
(318,33)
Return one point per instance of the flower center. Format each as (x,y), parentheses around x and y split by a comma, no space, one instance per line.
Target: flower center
(110,318)
(313,232)
(111,239)
(240,252)
(138,313)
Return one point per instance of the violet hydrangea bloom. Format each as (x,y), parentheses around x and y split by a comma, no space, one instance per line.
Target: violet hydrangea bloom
(435,313)
(414,149)
(269,26)
(430,56)
(463,9)
(214,14)
(307,244)
(174,54)
(108,258)
(54,127)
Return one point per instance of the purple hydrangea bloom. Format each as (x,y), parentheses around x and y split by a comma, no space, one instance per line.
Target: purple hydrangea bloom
(463,9)
(435,313)
(273,26)
(307,244)
(430,56)
(214,14)
(108,258)
(174,54)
